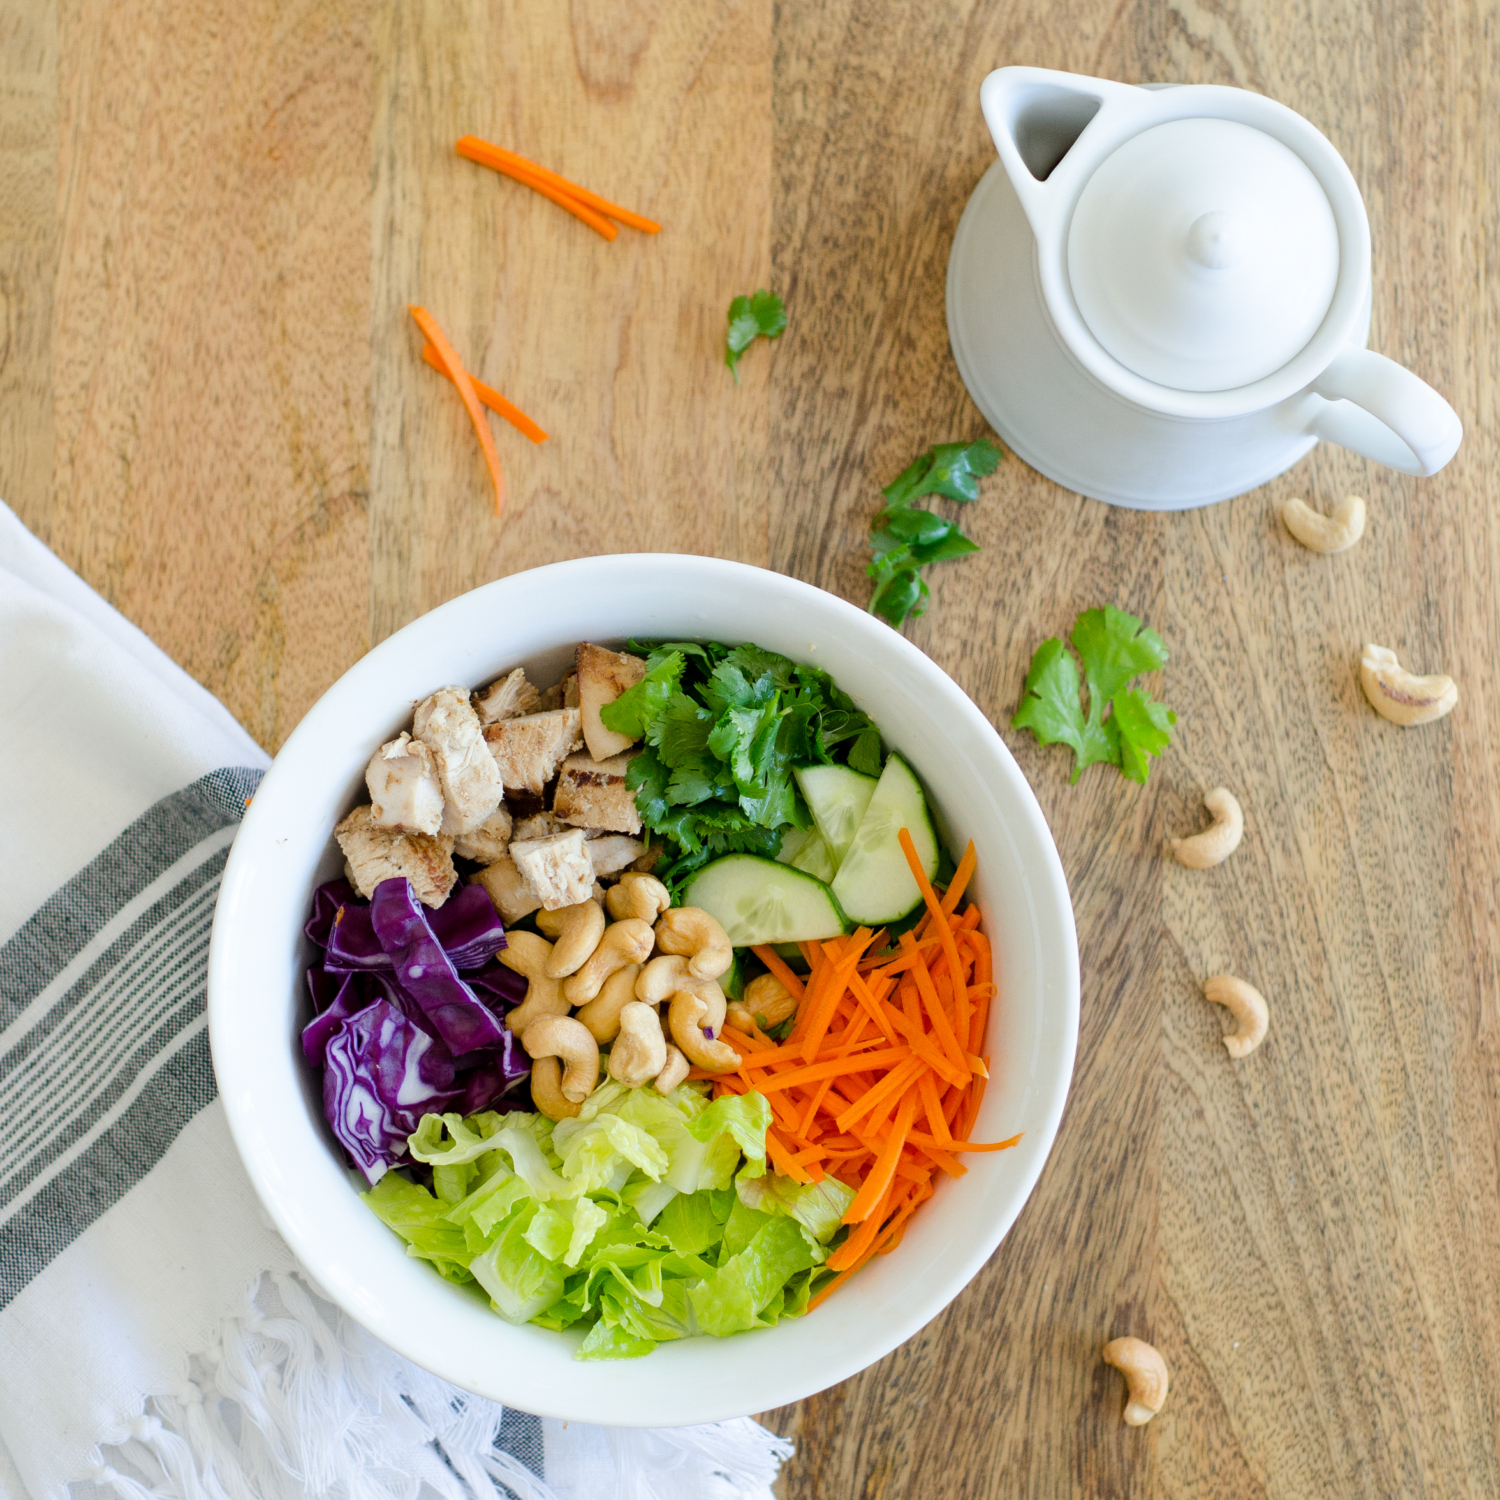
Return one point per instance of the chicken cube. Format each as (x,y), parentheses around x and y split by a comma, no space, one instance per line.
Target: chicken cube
(529,750)
(373,854)
(613,852)
(506,697)
(593,794)
(557,869)
(541,825)
(405,793)
(486,843)
(507,889)
(562,694)
(447,724)
(602,677)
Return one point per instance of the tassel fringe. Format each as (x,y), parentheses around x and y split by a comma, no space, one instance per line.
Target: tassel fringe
(298,1402)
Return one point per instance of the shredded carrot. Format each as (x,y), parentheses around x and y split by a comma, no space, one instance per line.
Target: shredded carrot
(453,368)
(540,178)
(880,1079)
(492,399)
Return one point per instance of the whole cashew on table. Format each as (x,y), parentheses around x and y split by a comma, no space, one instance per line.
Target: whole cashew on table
(604,982)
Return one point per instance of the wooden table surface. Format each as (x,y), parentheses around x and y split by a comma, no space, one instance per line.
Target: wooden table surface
(212,219)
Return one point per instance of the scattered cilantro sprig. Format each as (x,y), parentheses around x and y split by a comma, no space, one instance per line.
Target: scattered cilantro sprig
(762,314)
(723,728)
(904,540)
(1122,725)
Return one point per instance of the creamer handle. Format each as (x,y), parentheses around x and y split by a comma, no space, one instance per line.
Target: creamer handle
(1383,411)
(1041,106)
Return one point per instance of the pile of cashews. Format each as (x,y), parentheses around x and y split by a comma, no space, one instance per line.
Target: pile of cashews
(642,981)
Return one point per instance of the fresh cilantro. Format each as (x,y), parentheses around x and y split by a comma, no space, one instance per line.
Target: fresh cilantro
(1113,648)
(637,706)
(715,775)
(763,313)
(904,540)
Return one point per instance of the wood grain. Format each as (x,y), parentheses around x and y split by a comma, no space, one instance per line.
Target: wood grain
(212,221)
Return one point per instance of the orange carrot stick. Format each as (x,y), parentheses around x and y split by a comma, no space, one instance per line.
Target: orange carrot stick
(454,370)
(878,1183)
(492,399)
(529,175)
(514,166)
(960,882)
(893,1083)
(835,1067)
(942,1027)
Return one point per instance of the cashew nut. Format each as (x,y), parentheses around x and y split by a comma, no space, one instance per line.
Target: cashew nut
(687,1016)
(602,1014)
(546,1090)
(674,1072)
(1247,1005)
(1214,845)
(529,955)
(639,1052)
(1323,533)
(769,1000)
(1398,696)
(577,930)
(627,942)
(1146,1379)
(689,930)
(638,895)
(662,978)
(565,1038)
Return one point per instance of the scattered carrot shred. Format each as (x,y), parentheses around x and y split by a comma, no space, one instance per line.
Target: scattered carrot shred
(492,398)
(880,1078)
(453,368)
(595,211)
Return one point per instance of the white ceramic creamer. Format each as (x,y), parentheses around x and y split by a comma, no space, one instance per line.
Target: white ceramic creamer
(1160,296)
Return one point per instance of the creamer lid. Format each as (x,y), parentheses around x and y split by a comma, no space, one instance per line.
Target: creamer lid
(1203,254)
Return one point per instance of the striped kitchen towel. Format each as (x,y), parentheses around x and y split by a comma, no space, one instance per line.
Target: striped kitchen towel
(157,1338)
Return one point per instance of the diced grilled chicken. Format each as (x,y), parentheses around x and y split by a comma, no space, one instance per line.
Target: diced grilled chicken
(612,852)
(557,869)
(602,677)
(540,825)
(562,694)
(373,854)
(592,794)
(447,724)
(405,793)
(486,843)
(507,889)
(506,697)
(529,750)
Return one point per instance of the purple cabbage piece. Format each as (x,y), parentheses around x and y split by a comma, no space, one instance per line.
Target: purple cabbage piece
(327,900)
(381,1076)
(500,988)
(426,973)
(347,998)
(466,925)
(498,1083)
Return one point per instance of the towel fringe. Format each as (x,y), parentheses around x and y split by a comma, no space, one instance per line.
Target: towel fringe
(297,1402)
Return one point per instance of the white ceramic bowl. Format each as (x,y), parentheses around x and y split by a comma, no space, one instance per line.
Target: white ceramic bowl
(257,996)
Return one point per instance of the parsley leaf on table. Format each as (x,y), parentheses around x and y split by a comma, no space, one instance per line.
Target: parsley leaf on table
(762,313)
(1113,647)
(904,540)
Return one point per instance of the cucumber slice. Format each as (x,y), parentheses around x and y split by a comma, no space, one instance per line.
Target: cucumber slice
(763,901)
(874,884)
(837,798)
(807,849)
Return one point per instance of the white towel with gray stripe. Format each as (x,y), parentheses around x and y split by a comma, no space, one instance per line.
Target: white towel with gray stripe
(156,1336)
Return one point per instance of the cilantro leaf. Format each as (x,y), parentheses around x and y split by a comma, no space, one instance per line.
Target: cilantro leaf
(680,733)
(903,541)
(762,313)
(951,469)
(637,706)
(1113,648)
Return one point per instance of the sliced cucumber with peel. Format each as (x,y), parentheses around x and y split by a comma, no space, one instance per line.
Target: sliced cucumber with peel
(807,849)
(837,798)
(874,884)
(764,901)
